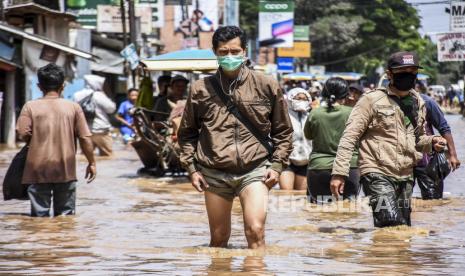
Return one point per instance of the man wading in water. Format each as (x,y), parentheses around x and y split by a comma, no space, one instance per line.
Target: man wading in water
(234,122)
(389,125)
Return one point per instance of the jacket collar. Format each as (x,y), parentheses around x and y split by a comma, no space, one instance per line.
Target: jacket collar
(390,92)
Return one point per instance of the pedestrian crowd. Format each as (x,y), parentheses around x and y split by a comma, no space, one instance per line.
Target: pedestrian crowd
(239,134)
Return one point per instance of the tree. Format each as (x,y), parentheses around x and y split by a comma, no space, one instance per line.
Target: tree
(355,35)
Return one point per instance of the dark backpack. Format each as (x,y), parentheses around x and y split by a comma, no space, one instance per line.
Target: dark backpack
(88,107)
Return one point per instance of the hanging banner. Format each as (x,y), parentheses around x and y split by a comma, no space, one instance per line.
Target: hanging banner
(276,24)
(301,49)
(457,16)
(451,47)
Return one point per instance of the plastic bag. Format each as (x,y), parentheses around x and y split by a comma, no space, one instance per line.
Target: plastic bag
(12,187)
(438,167)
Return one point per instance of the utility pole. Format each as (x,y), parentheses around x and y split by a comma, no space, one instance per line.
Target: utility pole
(2,15)
(132,33)
(123,20)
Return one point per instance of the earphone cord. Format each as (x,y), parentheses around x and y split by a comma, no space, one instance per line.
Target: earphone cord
(235,82)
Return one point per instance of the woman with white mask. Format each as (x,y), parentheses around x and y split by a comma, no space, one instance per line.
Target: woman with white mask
(295,176)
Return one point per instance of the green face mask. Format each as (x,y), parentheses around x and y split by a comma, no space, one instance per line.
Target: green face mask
(230,63)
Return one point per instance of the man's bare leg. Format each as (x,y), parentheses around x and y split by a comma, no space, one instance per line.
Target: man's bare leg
(254,201)
(219,219)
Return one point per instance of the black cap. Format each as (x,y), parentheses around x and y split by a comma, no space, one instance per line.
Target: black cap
(403,59)
(178,78)
(357,87)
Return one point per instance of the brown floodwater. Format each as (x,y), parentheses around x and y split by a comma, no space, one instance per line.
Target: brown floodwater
(131,225)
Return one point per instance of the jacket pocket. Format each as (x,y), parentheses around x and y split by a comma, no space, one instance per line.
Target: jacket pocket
(411,156)
(259,112)
(385,117)
(387,155)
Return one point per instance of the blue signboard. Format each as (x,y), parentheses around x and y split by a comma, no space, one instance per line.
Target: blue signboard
(285,64)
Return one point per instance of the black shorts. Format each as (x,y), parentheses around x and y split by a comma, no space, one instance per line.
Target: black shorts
(299,170)
(318,189)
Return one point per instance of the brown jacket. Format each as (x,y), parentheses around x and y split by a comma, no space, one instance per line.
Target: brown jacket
(387,146)
(212,137)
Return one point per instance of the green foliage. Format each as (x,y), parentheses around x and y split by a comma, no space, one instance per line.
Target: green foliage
(355,35)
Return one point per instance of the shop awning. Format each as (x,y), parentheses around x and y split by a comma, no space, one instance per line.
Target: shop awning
(184,60)
(33,8)
(46,41)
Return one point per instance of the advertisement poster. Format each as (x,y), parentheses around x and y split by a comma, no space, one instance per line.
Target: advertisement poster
(457,16)
(276,24)
(451,47)
(202,16)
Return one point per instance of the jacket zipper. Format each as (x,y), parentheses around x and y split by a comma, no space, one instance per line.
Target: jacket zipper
(236,139)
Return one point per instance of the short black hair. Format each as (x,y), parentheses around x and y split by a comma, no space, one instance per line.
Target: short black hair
(51,77)
(226,33)
(164,78)
(131,90)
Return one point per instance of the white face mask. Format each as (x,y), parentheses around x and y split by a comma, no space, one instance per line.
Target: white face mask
(300,105)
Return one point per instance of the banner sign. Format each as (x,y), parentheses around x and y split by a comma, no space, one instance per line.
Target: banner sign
(451,47)
(109,19)
(457,16)
(285,64)
(86,10)
(301,32)
(276,24)
(300,49)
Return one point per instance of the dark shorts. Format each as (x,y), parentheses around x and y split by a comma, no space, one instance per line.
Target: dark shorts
(390,199)
(318,189)
(299,170)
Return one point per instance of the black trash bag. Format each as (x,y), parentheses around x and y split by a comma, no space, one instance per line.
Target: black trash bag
(12,187)
(438,167)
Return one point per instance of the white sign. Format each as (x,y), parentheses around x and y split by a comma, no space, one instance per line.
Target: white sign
(457,16)
(109,19)
(318,70)
(451,47)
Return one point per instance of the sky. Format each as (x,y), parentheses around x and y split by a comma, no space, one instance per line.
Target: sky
(434,18)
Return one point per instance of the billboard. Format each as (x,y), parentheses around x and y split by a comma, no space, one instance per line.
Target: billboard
(109,19)
(285,64)
(86,10)
(301,32)
(301,49)
(457,16)
(276,24)
(201,17)
(451,47)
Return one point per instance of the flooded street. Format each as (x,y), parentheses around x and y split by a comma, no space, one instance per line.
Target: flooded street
(130,225)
